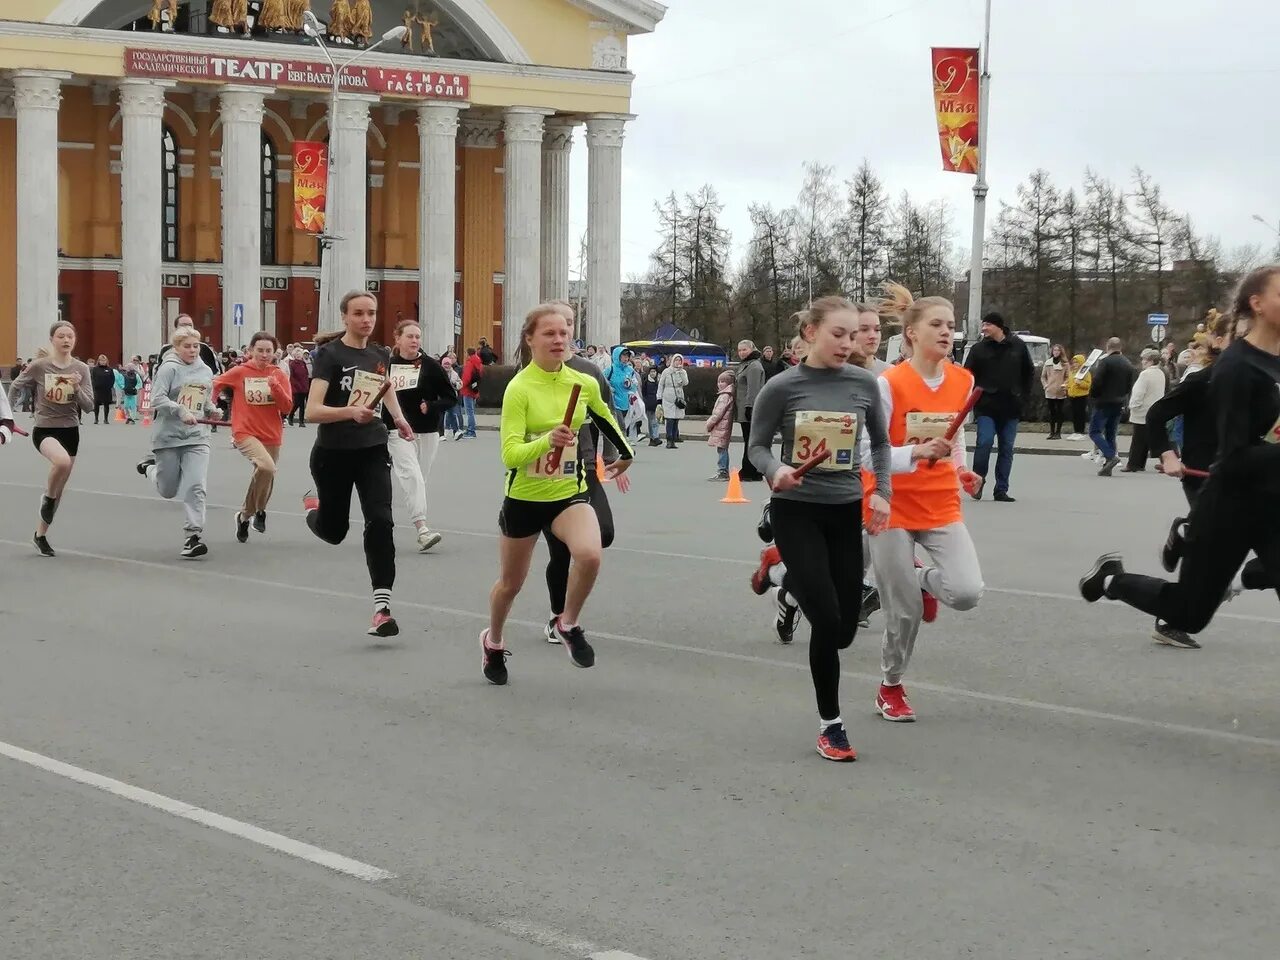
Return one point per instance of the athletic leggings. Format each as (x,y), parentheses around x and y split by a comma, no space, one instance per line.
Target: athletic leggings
(821,544)
(105,407)
(558,565)
(1226,522)
(335,472)
(1057,414)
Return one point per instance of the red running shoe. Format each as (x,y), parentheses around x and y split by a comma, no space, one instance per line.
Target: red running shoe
(310,501)
(892,704)
(833,744)
(384,625)
(760,578)
(930,601)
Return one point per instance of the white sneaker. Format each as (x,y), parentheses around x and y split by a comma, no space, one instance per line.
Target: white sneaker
(427,539)
(457,435)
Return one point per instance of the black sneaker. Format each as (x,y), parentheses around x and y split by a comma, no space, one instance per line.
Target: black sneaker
(242,528)
(1092,583)
(48,507)
(194,547)
(1173,637)
(493,662)
(870,604)
(788,616)
(143,464)
(1171,552)
(1108,466)
(1003,497)
(765,527)
(575,642)
(260,521)
(42,544)
(550,631)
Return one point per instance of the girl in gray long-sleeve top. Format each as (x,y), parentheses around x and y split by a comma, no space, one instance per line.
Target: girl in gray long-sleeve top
(62,388)
(821,406)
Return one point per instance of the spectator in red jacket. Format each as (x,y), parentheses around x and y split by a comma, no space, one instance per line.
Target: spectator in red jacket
(299,383)
(472,371)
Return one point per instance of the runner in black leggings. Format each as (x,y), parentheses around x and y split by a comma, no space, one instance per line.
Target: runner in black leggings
(820,406)
(351,448)
(1235,510)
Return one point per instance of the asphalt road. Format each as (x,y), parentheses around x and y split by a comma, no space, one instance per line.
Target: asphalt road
(1070,791)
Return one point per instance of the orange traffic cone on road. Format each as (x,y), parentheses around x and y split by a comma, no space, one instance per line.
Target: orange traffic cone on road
(734,493)
(119,418)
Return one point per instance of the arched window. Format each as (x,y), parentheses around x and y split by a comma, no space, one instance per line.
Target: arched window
(268,200)
(169,179)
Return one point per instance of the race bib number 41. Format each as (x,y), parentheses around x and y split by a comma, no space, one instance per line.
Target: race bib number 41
(364,387)
(922,427)
(58,388)
(404,376)
(820,431)
(191,397)
(257,391)
(544,468)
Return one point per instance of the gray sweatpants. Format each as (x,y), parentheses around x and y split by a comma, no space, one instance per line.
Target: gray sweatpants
(951,573)
(182,472)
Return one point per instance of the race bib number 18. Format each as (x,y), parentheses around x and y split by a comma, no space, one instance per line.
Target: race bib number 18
(364,387)
(541,469)
(922,427)
(819,431)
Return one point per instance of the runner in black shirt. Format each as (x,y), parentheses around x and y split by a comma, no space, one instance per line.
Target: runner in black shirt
(351,448)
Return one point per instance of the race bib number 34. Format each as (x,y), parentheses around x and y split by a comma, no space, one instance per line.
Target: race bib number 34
(541,469)
(257,391)
(922,427)
(58,388)
(404,376)
(364,387)
(819,431)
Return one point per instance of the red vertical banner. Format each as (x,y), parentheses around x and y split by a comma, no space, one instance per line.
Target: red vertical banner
(955,100)
(310,185)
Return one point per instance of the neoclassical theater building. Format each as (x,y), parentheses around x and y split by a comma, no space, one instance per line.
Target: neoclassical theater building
(147,165)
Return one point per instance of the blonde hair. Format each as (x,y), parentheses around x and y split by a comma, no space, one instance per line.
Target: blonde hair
(898,302)
(182,334)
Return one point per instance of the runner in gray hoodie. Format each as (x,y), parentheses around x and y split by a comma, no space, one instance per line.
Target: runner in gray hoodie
(179,465)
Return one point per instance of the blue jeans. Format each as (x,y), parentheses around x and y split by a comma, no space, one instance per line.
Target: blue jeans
(722,461)
(1103,426)
(469,405)
(989,429)
(652,417)
(453,418)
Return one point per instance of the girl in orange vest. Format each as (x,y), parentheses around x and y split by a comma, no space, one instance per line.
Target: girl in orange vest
(920,397)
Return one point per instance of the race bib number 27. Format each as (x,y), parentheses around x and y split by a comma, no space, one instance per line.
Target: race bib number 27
(820,431)
(364,387)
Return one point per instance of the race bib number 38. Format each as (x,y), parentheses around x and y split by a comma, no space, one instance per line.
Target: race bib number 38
(257,391)
(404,376)
(819,431)
(922,427)
(58,388)
(364,387)
(542,468)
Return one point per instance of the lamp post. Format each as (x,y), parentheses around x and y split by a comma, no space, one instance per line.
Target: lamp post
(1272,227)
(980,188)
(312,27)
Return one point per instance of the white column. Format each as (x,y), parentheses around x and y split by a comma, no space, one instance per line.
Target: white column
(557,141)
(347,205)
(141,210)
(522,183)
(437,221)
(36,97)
(604,228)
(241,112)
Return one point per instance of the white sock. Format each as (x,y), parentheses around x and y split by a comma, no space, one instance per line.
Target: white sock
(566,627)
(381,599)
(421,525)
(776,573)
(823,724)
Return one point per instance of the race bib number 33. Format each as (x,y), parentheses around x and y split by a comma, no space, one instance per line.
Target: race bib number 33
(257,391)
(819,431)
(404,376)
(922,427)
(364,387)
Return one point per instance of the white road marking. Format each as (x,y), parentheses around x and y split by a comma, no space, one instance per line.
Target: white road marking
(237,828)
(616,548)
(613,955)
(204,573)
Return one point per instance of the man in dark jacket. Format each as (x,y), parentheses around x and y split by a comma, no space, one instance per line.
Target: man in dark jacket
(1113,378)
(1001,365)
(487,356)
(750,378)
(207,354)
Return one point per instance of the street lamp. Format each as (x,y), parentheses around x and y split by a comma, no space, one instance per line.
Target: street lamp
(312,27)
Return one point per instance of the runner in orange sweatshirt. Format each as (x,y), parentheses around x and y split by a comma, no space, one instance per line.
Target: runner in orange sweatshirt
(262,395)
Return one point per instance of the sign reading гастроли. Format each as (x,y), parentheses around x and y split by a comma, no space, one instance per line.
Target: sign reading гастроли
(185,65)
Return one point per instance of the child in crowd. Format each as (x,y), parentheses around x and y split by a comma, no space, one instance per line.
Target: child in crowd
(719,425)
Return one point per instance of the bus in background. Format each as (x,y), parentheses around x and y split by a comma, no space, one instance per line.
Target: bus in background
(1037,346)
(696,353)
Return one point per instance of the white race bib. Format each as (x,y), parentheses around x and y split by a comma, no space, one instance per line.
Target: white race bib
(257,391)
(541,469)
(1273,435)
(191,397)
(58,388)
(927,426)
(364,387)
(819,431)
(404,376)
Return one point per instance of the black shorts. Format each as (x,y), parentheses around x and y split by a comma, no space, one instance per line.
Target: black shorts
(527,518)
(68,437)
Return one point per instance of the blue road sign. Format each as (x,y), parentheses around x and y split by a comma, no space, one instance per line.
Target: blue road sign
(237,315)
(1157,319)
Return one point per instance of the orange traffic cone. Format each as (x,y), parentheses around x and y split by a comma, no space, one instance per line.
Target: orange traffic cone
(600,477)
(734,493)
(119,418)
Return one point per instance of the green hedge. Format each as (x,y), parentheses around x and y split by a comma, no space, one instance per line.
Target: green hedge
(700,395)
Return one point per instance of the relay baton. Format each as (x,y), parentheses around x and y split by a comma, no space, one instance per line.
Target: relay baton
(1192,472)
(18,431)
(553,462)
(958,420)
(382,392)
(812,462)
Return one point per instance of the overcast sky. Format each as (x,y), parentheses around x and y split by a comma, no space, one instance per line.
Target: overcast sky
(739,93)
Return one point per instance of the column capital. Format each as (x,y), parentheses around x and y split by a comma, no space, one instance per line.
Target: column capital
(607,129)
(353,114)
(37,89)
(438,119)
(524,124)
(480,132)
(242,104)
(142,98)
(558,134)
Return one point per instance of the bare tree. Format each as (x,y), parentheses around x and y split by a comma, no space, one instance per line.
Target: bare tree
(862,232)
(1154,227)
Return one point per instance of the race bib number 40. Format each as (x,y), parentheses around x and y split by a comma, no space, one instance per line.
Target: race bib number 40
(364,387)
(191,397)
(257,391)
(404,376)
(820,431)
(58,388)
(545,469)
(922,427)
